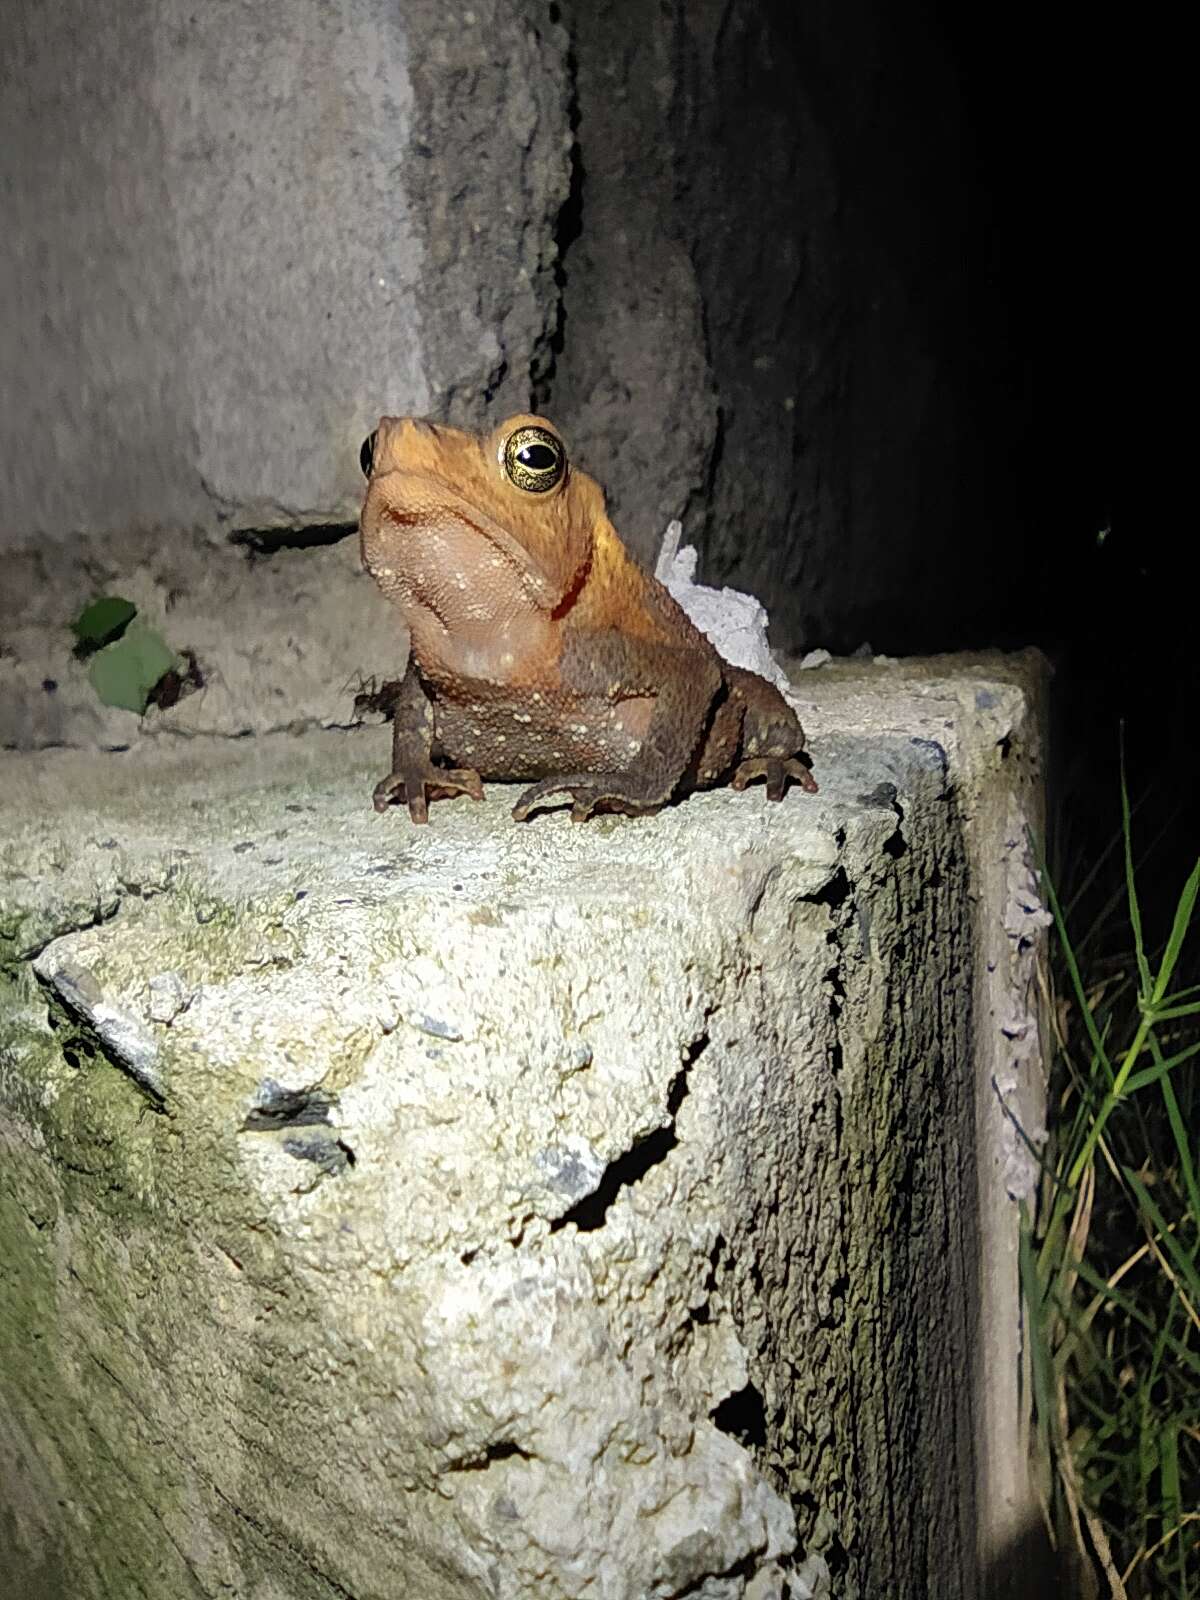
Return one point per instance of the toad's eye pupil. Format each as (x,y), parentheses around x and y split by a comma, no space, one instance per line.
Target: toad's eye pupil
(366,454)
(538,457)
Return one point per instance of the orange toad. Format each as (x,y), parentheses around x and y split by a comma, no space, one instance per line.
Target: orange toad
(540,650)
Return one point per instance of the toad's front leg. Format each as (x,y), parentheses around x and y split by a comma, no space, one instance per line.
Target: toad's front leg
(772,738)
(413,777)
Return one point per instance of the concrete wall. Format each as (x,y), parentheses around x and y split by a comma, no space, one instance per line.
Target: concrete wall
(233,237)
(723,250)
(765,304)
(228,248)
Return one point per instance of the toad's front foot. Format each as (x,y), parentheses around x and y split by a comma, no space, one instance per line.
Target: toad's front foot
(589,791)
(422,782)
(776,770)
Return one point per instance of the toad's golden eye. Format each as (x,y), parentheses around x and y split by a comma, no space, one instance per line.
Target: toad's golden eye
(366,456)
(533,459)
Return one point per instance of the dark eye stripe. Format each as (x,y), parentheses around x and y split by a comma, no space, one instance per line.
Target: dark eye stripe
(366,454)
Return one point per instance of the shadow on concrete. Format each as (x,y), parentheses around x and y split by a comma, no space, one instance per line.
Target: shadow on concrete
(1029,1569)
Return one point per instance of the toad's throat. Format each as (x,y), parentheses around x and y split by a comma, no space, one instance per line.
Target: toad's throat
(477,547)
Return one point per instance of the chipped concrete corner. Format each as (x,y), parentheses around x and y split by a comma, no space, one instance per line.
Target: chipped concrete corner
(495,1211)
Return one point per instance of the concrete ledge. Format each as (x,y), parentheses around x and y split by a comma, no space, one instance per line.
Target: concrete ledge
(499,1211)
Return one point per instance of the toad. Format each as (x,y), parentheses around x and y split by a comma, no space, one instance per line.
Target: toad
(539,649)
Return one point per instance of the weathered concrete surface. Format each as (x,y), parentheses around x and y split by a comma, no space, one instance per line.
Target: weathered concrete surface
(499,1211)
(283,640)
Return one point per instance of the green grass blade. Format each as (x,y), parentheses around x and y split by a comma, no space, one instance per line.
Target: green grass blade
(1100,921)
(1181,994)
(1135,913)
(1179,928)
(1115,1368)
(1166,1012)
(1085,1010)
(1130,1308)
(1185,1264)
(1161,1069)
(1179,1132)
(1172,1496)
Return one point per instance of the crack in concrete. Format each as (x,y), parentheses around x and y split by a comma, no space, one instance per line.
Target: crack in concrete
(28,954)
(502,1450)
(262,543)
(747,1567)
(632,1165)
(104,1031)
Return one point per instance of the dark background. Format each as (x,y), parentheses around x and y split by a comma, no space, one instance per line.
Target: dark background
(1053,117)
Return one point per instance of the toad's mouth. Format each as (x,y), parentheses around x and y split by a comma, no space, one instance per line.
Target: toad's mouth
(538,559)
(473,541)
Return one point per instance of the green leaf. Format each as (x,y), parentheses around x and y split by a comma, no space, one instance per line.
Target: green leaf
(104,620)
(1181,995)
(124,674)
